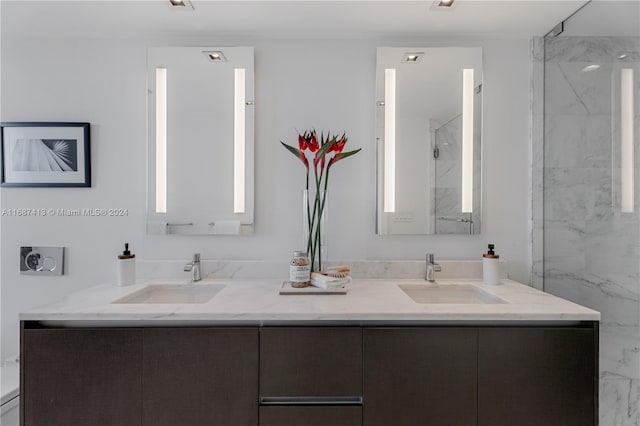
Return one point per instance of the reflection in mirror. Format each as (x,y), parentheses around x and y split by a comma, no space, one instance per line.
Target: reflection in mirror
(200,140)
(429,140)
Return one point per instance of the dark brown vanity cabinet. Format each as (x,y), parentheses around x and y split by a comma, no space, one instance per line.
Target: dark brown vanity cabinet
(420,376)
(538,376)
(292,376)
(310,376)
(81,377)
(132,376)
(310,362)
(200,376)
(485,376)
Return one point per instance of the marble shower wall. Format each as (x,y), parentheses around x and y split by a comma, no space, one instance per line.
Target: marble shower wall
(591,251)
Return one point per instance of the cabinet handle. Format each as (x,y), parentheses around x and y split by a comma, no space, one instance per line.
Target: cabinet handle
(310,400)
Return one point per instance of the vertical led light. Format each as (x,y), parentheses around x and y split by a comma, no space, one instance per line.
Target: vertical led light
(626,133)
(389,140)
(467,140)
(161,140)
(238,140)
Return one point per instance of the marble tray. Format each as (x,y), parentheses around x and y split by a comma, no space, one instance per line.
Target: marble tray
(288,290)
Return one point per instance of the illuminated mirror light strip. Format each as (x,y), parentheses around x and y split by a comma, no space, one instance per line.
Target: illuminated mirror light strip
(467,140)
(161,140)
(239,140)
(626,153)
(389,140)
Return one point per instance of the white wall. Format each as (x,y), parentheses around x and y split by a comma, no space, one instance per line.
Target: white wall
(321,84)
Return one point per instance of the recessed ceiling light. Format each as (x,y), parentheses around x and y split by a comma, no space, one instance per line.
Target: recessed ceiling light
(591,67)
(442,5)
(412,57)
(214,55)
(181,4)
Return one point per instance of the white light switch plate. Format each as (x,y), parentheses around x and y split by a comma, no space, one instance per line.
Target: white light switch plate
(41,260)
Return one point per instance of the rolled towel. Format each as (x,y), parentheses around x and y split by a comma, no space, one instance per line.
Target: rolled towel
(327,282)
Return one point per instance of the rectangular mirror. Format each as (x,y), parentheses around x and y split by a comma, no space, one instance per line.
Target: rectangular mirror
(200,140)
(429,140)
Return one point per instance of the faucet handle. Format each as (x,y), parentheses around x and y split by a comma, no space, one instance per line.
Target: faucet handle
(196,257)
(430,258)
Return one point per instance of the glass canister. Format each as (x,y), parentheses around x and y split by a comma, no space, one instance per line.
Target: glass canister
(300,269)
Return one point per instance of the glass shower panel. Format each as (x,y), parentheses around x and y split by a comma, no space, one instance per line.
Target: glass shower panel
(591,199)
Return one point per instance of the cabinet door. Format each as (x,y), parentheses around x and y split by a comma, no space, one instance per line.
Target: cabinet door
(81,377)
(421,376)
(308,361)
(537,376)
(311,416)
(200,376)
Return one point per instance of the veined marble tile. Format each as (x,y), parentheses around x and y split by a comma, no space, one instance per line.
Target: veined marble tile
(593,88)
(572,90)
(566,249)
(448,173)
(448,202)
(256,269)
(589,49)
(238,269)
(619,352)
(617,304)
(577,141)
(619,402)
(560,96)
(448,139)
(576,194)
(613,249)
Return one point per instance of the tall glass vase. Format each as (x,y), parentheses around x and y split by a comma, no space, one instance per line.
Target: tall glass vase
(314,219)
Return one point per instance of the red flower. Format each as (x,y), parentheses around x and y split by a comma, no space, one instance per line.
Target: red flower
(312,142)
(338,146)
(319,148)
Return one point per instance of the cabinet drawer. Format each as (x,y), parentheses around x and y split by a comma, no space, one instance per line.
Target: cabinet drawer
(311,416)
(200,376)
(309,361)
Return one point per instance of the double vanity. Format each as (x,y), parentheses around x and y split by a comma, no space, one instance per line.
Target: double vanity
(235,352)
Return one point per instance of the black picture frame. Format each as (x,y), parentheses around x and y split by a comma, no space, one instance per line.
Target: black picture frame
(45,154)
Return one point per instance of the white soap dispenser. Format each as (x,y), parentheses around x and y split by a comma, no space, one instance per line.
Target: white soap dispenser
(126,268)
(491,267)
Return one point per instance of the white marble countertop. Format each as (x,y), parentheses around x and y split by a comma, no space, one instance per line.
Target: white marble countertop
(258,302)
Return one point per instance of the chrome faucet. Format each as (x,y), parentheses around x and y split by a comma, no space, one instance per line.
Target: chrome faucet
(194,268)
(432,268)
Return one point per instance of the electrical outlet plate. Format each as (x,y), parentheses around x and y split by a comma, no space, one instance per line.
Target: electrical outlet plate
(403,217)
(41,260)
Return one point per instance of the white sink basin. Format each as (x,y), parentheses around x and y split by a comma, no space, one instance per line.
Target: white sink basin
(451,293)
(173,293)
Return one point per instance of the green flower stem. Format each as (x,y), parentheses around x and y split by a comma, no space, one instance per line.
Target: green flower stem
(323,195)
(314,218)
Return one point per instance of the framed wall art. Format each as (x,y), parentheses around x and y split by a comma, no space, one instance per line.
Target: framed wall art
(45,155)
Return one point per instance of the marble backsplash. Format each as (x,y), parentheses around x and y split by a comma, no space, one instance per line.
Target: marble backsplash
(254,269)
